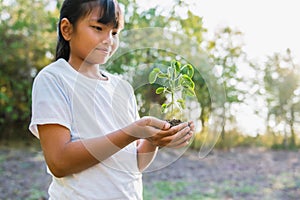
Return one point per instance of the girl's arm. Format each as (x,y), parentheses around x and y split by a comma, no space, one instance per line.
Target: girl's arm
(65,157)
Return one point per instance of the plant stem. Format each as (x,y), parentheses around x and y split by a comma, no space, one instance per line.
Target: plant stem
(172,109)
(173,87)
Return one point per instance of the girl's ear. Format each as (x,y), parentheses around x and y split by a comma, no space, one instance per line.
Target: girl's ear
(66,29)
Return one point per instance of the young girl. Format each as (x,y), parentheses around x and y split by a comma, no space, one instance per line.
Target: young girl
(94,143)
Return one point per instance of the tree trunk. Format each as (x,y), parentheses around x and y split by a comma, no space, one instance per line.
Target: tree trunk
(291,123)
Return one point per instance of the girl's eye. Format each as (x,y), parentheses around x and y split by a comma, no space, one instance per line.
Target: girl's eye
(98,28)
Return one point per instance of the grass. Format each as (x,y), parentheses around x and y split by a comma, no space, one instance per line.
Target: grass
(2,159)
(179,190)
(164,189)
(285,180)
(197,196)
(35,194)
(282,184)
(240,191)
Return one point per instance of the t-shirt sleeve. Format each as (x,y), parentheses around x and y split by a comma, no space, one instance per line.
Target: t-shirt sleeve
(50,103)
(134,105)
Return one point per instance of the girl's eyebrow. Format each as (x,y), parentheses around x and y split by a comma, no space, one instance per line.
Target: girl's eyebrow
(94,20)
(97,21)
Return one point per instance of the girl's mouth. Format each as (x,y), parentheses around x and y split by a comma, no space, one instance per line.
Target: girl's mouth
(103,50)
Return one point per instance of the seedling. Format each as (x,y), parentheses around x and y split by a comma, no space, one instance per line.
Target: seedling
(177,83)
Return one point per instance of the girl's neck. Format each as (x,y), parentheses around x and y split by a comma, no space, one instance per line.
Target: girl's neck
(88,69)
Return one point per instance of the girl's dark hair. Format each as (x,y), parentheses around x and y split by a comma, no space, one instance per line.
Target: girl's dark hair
(73,10)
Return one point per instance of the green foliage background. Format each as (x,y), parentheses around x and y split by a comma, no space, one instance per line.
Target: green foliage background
(28,39)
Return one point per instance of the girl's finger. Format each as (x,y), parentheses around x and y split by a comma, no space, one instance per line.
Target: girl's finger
(178,138)
(181,140)
(191,125)
(154,122)
(179,127)
(179,144)
(172,132)
(181,134)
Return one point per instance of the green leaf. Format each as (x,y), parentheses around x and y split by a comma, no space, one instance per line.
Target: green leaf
(162,75)
(153,75)
(176,64)
(171,72)
(159,90)
(189,92)
(181,103)
(186,81)
(9,109)
(156,69)
(188,70)
(163,108)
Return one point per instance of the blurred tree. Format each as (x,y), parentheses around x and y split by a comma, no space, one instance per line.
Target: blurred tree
(27,37)
(281,80)
(226,53)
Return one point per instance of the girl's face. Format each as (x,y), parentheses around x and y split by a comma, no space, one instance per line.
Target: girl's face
(92,42)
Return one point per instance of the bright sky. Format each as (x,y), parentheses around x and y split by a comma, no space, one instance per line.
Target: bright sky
(268,25)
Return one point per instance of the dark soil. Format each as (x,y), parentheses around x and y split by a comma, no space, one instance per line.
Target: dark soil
(174,122)
(242,173)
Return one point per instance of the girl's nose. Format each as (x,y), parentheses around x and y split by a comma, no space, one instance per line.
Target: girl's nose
(108,39)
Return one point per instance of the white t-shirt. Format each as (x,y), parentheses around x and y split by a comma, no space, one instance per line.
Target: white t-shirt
(88,108)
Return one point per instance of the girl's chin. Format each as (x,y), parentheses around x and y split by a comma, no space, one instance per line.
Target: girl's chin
(96,61)
(98,57)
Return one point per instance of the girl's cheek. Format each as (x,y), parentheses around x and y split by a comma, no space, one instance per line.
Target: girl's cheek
(116,44)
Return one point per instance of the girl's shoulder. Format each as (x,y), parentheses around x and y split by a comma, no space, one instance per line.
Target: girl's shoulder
(59,71)
(56,74)
(56,68)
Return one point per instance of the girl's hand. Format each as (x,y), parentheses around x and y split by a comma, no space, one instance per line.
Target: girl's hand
(159,133)
(175,137)
(146,127)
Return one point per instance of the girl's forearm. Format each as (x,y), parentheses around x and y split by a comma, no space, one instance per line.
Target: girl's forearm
(64,157)
(146,153)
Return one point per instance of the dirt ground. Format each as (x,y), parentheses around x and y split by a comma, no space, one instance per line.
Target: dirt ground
(241,173)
